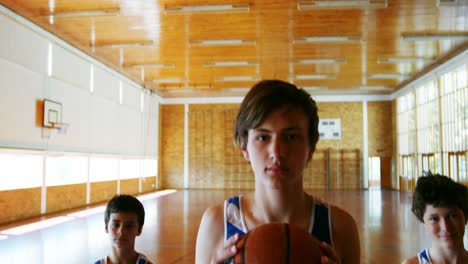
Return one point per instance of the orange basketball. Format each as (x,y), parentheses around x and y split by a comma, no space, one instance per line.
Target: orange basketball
(277,244)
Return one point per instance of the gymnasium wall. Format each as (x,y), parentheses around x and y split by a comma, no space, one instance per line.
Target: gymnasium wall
(109,116)
(381,119)
(214,163)
(172,146)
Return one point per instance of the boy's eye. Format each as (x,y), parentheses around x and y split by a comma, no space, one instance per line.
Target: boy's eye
(115,225)
(290,137)
(129,225)
(453,215)
(262,137)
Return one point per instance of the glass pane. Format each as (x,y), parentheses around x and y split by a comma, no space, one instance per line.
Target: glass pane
(66,170)
(20,170)
(103,169)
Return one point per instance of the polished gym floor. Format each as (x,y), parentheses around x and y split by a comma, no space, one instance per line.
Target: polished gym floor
(388,230)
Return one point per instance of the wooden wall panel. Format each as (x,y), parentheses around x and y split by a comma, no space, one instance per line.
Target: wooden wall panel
(130,186)
(351,117)
(380,128)
(214,161)
(148,184)
(102,191)
(337,163)
(316,172)
(64,197)
(19,204)
(350,169)
(172,146)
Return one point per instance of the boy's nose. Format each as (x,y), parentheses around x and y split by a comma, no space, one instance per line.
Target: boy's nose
(120,231)
(446,225)
(275,149)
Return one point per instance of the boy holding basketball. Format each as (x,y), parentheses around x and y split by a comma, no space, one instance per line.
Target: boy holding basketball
(442,206)
(277,130)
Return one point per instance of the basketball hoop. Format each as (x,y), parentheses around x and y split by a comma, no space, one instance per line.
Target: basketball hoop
(61,127)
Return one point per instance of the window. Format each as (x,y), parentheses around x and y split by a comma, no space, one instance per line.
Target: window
(103,169)
(62,170)
(20,170)
(129,168)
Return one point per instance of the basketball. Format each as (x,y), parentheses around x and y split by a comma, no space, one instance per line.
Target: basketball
(277,243)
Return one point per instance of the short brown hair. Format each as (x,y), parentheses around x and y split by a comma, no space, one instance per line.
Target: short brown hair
(125,203)
(439,191)
(267,96)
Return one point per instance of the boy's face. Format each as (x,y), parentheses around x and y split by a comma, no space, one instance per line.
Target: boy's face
(445,225)
(122,229)
(278,149)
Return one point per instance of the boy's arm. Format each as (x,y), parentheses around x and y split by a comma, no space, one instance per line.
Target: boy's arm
(211,247)
(412,260)
(345,236)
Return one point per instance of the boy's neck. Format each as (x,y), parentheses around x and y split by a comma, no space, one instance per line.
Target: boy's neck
(448,255)
(123,257)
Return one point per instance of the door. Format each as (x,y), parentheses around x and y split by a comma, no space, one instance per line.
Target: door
(386,173)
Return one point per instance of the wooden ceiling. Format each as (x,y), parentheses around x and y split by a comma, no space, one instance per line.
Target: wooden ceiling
(328,47)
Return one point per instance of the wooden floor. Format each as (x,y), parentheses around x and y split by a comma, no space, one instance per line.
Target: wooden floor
(388,230)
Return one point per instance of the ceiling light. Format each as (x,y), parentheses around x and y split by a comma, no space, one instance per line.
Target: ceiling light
(403,60)
(319,61)
(125,45)
(314,77)
(314,88)
(169,80)
(86,13)
(387,76)
(237,78)
(305,5)
(151,65)
(207,8)
(229,63)
(177,90)
(451,35)
(374,88)
(223,42)
(188,89)
(200,87)
(326,39)
(446,2)
(238,89)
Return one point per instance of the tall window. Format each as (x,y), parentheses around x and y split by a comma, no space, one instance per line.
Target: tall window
(441,130)
(455,122)
(406,135)
(428,128)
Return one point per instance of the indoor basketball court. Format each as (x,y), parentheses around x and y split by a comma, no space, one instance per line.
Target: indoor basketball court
(105,97)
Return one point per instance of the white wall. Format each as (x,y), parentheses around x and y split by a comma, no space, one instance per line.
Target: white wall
(98,122)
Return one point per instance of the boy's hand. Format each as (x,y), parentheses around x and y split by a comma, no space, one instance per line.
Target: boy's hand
(228,250)
(329,255)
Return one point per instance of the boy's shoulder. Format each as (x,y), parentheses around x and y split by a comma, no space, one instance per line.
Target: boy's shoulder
(142,259)
(101,261)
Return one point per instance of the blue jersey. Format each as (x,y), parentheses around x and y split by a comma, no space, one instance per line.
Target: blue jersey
(142,259)
(234,222)
(423,257)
